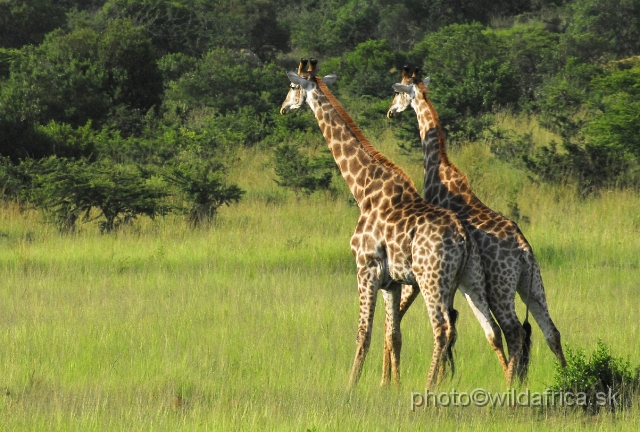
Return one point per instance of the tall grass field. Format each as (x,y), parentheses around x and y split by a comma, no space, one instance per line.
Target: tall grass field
(250,323)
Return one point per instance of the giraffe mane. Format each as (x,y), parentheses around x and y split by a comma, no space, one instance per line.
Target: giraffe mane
(351,124)
(441,144)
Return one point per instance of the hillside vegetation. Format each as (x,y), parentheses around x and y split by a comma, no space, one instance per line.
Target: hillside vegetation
(249,322)
(175,253)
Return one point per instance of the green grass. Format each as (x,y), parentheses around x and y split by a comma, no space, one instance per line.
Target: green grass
(252,321)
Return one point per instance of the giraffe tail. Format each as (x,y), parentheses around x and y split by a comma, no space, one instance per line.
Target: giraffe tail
(525,357)
(453,317)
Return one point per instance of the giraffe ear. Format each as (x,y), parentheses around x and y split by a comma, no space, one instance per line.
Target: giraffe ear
(426,81)
(297,79)
(330,79)
(401,88)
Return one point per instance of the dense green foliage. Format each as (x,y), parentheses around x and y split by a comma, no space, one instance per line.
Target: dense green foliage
(599,378)
(151,84)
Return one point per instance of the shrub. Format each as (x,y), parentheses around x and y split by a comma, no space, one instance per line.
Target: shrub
(300,172)
(15,180)
(510,146)
(227,80)
(601,374)
(70,189)
(597,114)
(204,188)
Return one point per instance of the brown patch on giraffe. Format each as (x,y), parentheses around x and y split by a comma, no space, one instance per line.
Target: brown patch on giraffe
(358,133)
(348,151)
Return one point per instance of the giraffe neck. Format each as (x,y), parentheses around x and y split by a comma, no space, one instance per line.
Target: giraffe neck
(444,184)
(367,172)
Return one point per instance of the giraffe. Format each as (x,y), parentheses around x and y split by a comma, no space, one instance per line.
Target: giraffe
(507,258)
(399,239)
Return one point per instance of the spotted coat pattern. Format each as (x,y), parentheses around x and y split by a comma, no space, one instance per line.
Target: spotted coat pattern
(507,258)
(400,239)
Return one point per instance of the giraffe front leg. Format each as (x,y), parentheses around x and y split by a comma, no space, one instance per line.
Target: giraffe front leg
(392,335)
(368,290)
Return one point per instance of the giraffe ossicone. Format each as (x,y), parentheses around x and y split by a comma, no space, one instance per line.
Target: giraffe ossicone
(399,239)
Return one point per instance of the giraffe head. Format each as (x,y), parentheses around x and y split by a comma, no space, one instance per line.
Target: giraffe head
(406,91)
(302,83)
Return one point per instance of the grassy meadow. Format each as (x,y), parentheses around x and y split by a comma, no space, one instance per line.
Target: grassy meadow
(250,323)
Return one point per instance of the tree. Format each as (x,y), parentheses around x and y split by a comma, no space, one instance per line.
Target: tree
(78,78)
(26,22)
(133,78)
(70,189)
(532,51)
(194,27)
(615,123)
(226,80)
(204,188)
(602,29)
(597,113)
(470,73)
(367,70)
(563,95)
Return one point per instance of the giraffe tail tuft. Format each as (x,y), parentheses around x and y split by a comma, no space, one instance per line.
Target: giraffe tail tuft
(453,317)
(523,364)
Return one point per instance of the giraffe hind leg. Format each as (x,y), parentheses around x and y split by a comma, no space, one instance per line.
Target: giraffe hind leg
(505,313)
(531,291)
(409,294)
(392,335)
(438,295)
(443,331)
(453,336)
(473,287)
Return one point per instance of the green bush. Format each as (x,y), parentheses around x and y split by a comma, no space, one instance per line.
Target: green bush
(510,146)
(615,122)
(15,180)
(596,111)
(203,186)
(194,27)
(300,172)
(69,189)
(562,97)
(602,30)
(532,52)
(601,374)
(26,22)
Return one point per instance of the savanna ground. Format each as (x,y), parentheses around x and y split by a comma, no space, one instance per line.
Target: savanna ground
(250,323)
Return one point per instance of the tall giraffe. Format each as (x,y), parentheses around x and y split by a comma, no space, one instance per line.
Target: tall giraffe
(399,239)
(507,258)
